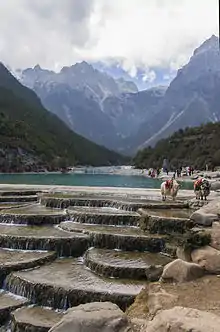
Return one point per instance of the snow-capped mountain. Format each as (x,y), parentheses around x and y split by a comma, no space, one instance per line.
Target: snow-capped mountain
(97,106)
(110,111)
(191,99)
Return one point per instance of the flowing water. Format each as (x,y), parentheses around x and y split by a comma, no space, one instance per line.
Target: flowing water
(71,283)
(99,211)
(33,209)
(83,220)
(32,231)
(127,259)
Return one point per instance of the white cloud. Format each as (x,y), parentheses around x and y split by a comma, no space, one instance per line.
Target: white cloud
(149,76)
(139,33)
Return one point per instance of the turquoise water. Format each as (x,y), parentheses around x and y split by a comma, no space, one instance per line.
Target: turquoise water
(95,180)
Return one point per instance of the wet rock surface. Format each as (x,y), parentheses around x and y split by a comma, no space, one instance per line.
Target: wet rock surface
(8,303)
(67,282)
(11,205)
(94,317)
(166,222)
(43,238)
(34,319)
(123,238)
(103,219)
(121,264)
(32,215)
(17,260)
(104,215)
(19,199)
(125,202)
(18,192)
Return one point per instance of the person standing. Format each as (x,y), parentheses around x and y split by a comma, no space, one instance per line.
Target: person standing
(158,172)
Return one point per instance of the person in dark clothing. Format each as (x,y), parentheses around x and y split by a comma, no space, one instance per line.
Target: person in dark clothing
(178,172)
(158,172)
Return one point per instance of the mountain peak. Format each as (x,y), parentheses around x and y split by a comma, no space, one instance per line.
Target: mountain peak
(83,64)
(83,67)
(37,67)
(211,44)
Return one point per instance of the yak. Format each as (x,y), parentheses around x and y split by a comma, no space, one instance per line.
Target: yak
(169,188)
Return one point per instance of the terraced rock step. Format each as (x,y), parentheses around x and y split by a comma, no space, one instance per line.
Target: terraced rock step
(32,198)
(129,204)
(8,303)
(14,260)
(166,221)
(43,238)
(122,264)
(170,213)
(33,214)
(103,215)
(34,319)
(18,192)
(67,282)
(11,205)
(113,237)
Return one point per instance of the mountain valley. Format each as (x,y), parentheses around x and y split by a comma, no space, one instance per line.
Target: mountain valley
(31,138)
(112,112)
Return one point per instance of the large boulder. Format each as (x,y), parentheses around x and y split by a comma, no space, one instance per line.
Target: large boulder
(208,258)
(181,271)
(93,317)
(207,214)
(203,218)
(179,319)
(215,185)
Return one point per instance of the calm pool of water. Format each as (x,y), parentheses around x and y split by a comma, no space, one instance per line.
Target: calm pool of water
(95,180)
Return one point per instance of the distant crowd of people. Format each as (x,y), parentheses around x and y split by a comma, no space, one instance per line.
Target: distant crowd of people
(154,172)
(181,171)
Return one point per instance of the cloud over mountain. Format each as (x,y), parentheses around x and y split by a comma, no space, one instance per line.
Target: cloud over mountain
(135,33)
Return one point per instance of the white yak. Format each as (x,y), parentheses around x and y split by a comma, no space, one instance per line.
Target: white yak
(169,188)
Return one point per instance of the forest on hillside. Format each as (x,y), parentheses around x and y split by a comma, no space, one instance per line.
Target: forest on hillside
(197,147)
(32,138)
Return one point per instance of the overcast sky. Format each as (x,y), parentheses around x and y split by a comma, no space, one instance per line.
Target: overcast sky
(138,33)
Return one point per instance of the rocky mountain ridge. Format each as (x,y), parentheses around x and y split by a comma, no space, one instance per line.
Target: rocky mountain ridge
(31,138)
(92,103)
(113,113)
(192,97)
